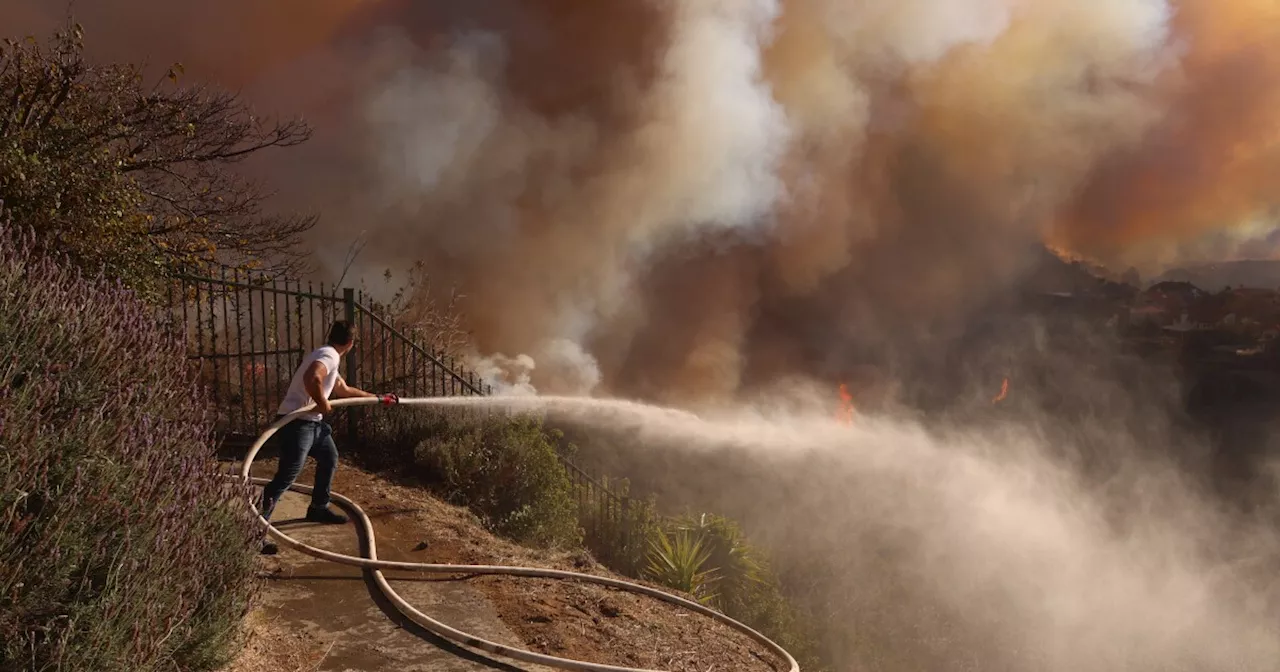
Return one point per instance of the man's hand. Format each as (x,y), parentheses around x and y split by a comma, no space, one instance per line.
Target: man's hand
(324,407)
(388,399)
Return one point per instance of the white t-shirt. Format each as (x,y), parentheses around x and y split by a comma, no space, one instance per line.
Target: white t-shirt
(297,396)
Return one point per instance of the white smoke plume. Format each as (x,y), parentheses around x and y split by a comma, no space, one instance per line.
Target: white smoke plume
(508,376)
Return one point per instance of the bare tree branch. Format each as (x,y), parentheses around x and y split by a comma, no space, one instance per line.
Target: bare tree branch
(430,315)
(353,252)
(82,143)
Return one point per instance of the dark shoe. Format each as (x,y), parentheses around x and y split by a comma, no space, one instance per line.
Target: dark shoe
(325,516)
(265,508)
(269,548)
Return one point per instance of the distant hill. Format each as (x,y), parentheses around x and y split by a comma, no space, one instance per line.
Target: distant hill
(1257,273)
(1053,274)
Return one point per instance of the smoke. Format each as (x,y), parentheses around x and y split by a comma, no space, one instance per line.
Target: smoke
(748,157)
(698,151)
(508,375)
(824,177)
(266,36)
(948,549)
(573,369)
(1210,162)
(703,201)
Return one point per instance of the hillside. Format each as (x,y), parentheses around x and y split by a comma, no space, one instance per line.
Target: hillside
(321,616)
(1051,273)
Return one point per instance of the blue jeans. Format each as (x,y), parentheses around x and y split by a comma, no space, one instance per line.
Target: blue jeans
(298,439)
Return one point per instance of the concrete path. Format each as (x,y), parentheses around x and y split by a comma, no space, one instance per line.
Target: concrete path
(342,608)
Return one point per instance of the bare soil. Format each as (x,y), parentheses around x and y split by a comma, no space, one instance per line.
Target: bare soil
(270,647)
(560,618)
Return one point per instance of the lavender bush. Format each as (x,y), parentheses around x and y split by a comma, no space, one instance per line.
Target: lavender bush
(121,546)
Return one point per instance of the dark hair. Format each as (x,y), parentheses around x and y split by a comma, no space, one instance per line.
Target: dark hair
(340,333)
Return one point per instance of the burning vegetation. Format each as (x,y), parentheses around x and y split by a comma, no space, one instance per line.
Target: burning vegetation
(1004,392)
(847,409)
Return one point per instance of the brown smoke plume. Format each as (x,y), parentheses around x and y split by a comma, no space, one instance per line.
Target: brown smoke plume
(682,200)
(1210,162)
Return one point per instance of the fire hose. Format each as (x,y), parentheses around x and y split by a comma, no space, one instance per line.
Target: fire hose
(370,561)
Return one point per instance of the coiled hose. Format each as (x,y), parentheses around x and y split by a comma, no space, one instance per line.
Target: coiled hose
(371,561)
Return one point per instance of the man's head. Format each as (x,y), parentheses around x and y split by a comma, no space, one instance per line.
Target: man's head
(341,336)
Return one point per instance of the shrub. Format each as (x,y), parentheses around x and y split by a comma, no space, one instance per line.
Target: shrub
(618,533)
(679,560)
(121,546)
(134,178)
(505,469)
(709,557)
(739,570)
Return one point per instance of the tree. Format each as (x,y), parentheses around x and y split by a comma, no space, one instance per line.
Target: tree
(432,317)
(132,178)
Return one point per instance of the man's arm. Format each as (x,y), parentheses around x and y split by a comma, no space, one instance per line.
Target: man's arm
(341,390)
(314,383)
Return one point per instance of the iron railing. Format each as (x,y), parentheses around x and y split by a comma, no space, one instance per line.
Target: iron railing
(247,333)
(611,521)
(391,361)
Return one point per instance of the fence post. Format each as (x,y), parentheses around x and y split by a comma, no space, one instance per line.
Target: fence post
(626,527)
(353,364)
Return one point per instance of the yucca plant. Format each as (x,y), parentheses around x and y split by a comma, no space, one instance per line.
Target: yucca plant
(740,570)
(709,557)
(677,561)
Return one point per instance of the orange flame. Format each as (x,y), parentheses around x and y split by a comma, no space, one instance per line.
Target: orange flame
(845,414)
(1004,392)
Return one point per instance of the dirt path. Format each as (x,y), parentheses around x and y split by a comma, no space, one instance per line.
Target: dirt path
(322,617)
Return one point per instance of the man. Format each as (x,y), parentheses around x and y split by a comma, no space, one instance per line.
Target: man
(315,380)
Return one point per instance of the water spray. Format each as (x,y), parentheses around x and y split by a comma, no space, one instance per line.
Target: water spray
(370,561)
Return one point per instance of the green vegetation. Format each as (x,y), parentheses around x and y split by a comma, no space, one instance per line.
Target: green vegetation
(679,561)
(505,470)
(121,546)
(509,471)
(709,557)
(134,179)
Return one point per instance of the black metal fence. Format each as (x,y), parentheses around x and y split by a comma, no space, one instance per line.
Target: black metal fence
(247,333)
(612,523)
(387,360)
